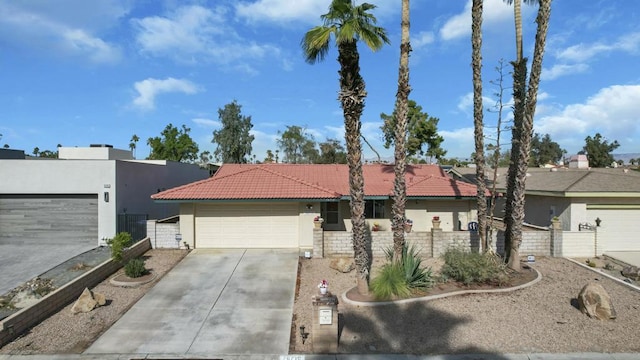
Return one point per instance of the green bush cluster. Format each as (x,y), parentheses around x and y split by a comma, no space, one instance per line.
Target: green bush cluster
(120,242)
(135,268)
(472,268)
(402,277)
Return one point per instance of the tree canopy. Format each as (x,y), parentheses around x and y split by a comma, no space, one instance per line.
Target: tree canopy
(332,152)
(234,140)
(544,151)
(175,145)
(298,147)
(598,150)
(421,129)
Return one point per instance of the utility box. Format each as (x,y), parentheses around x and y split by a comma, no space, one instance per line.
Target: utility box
(324,331)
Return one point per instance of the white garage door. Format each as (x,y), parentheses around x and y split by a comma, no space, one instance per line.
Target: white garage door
(618,229)
(247,226)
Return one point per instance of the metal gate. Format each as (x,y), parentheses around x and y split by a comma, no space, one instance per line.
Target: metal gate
(134,224)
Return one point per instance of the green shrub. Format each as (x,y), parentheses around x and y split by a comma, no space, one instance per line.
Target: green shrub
(471,268)
(400,278)
(415,275)
(391,281)
(135,268)
(120,242)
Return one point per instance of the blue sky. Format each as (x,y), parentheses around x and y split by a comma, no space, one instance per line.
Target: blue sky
(77,72)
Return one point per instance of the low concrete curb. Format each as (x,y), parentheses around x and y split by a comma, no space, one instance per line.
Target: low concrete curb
(440,296)
(605,275)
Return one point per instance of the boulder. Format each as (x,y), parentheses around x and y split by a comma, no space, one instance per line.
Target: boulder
(88,301)
(594,301)
(342,264)
(100,298)
(632,272)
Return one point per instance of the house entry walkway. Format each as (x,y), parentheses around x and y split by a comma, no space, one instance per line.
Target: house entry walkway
(222,302)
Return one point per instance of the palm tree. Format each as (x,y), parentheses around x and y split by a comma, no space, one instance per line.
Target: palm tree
(476,62)
(400,153)
(132,144)
(524,110)
(349,23)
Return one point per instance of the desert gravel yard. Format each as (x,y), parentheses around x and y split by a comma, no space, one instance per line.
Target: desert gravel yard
(542,318)
(538,319)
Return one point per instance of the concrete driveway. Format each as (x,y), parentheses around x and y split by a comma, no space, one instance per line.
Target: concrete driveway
(23,259)
(214,302)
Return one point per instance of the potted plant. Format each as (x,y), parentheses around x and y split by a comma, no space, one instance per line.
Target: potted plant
(323,286)
(408,224)
(376,226)
(317,222)
(436,222)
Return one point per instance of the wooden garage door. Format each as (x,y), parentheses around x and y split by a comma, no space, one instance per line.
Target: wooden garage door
(247,226)
(48,218)
(618,230)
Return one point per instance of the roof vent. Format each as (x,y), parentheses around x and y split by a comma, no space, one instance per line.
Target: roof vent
(101,146)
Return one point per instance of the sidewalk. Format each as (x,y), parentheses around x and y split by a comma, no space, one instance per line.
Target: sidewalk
(534,356)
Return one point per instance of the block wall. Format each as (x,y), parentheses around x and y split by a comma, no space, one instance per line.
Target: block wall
(14,325)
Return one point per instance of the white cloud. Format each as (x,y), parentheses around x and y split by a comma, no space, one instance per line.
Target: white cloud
(582,52)
(458,142)
(612,112)
(559,70)
(148,89)
(308,11)
(460,25)
(282,10)
(38,29)
(206,123)
(193,34)
(422,39)
(465,104)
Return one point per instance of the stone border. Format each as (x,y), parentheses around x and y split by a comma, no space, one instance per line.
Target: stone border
(132,282)
(14,325)
(440,296)
(633,287)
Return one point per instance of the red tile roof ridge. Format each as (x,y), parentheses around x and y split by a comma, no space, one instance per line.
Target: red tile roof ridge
(316,186)
(178,188)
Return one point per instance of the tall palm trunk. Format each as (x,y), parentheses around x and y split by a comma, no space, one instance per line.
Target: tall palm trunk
(402,110)
(525,132)
(476,45)
(351,96)
(513,215)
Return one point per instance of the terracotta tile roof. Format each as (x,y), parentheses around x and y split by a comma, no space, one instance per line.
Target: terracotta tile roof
(314,181)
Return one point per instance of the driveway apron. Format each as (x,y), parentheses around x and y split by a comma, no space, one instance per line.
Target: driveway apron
(222,302)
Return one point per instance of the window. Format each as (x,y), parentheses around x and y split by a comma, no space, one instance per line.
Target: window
(374,209)
(331,212)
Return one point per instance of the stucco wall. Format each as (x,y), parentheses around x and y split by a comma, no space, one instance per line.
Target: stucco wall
(65,177)
(129,184)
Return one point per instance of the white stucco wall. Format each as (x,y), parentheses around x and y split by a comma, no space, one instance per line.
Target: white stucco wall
(128,183)
(65,177)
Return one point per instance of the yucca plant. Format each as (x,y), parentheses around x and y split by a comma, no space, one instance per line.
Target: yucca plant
(400,278)
(390,282)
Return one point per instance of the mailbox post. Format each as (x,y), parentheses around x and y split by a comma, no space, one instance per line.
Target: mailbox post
(324,332)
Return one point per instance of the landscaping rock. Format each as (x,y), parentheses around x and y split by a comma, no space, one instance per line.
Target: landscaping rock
(596,302)
(88,301)
(632,272)
(343,264)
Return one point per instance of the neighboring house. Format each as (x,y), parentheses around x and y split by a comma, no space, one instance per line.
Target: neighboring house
(273,205)
(605,201)
(84,194)
(579,162)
